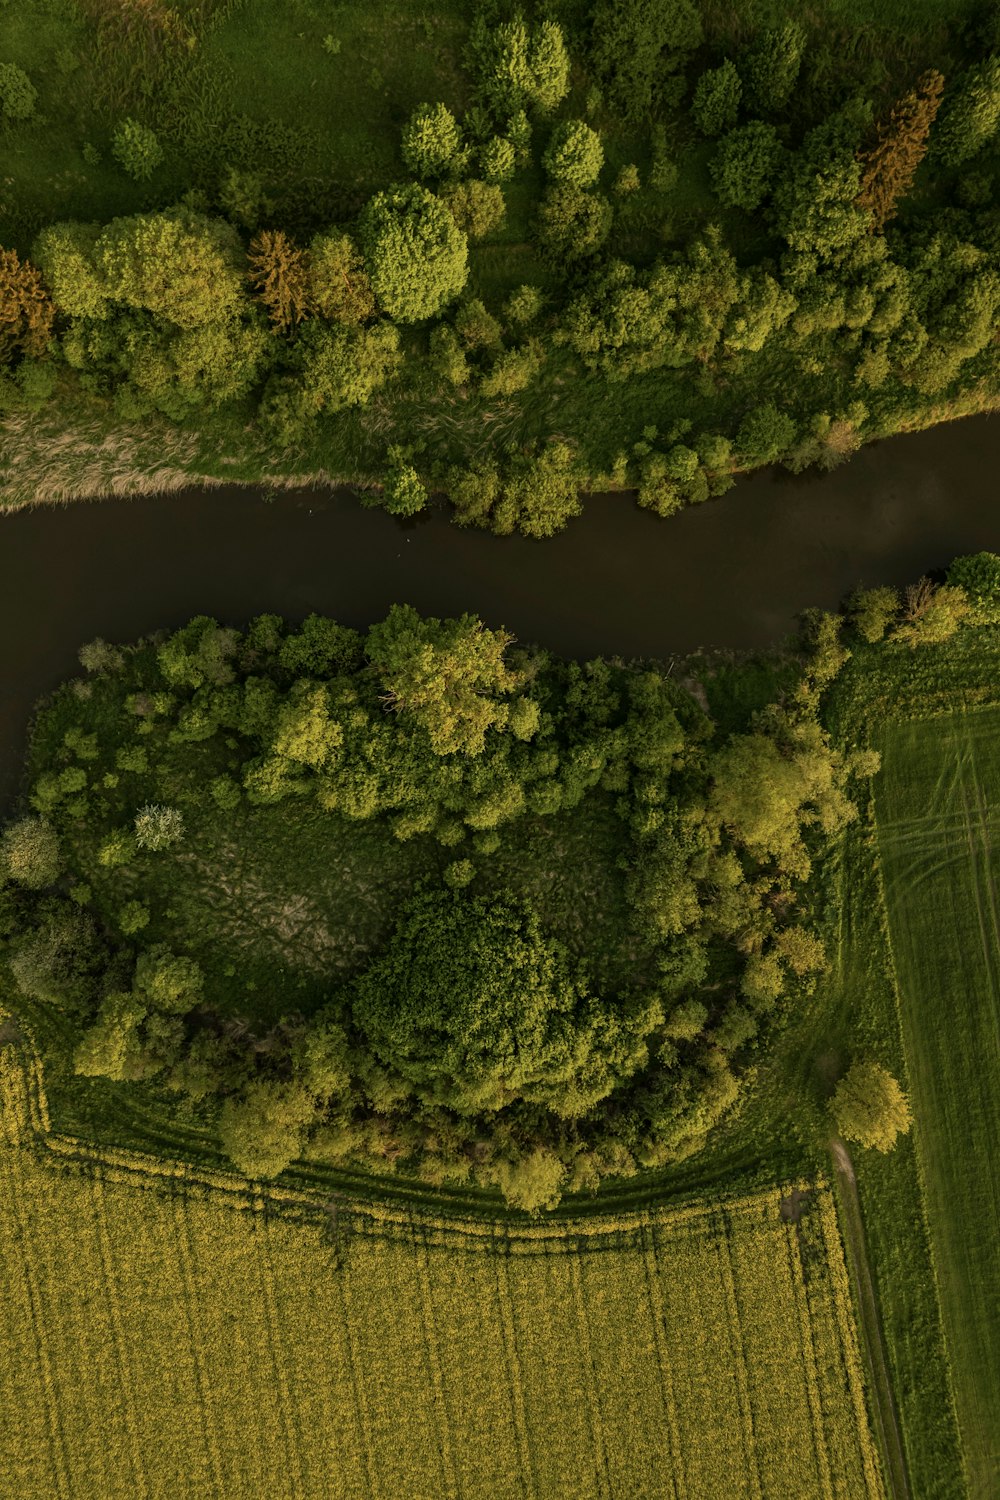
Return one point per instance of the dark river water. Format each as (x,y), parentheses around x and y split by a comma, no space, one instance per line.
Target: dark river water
(731,573)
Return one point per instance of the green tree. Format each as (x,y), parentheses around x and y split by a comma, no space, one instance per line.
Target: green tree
(872,611)
(745,165)
(472,1007)
(478,208)
(978,576)
(65,255)
(498,160)
(765,434)
(770,67)
(815,204)
(339,288)
(431,141)
(869,1106)
(30,853)
(417,257)
(574,154)
(403,491)
(517,67)
(18,95)
(640,49)
(931,614)
(263,1129)
(447,675)
(716,101)
(572,223)
(179,265)
(970,113)
(136,150)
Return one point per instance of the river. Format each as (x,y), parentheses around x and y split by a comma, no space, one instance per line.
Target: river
(619,581)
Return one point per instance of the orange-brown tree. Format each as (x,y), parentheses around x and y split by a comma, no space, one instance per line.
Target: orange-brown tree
(279,272)
(26,309)
(889,167)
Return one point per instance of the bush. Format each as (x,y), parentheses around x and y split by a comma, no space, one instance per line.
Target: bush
(765,434)
(770,67)
(447,357)
(136,150)
(431,141)
(513,371)
(745,165)
(18,94)
(30,853)
(416,255)
(498,160)
(477,207)
(574,154)
(339,288)
(572,223)
(716,101)
(133,917)
(158,827)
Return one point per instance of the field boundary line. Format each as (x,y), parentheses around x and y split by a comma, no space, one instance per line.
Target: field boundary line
(512,1357)
(359,1397)
(432,1346)
(185,1264)
(883,1401)
(739,1359)
(285,1402)
(651,1265)
(595,1418)
(129,1404)
(807,1347)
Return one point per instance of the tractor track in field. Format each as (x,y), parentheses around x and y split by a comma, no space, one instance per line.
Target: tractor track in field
(886,1417)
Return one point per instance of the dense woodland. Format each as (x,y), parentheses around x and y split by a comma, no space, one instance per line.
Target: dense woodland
(486,1013)
(626,248)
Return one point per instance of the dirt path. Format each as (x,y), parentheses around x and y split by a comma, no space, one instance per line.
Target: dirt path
(884,1407)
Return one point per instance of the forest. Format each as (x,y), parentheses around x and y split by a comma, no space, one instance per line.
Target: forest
(612,244)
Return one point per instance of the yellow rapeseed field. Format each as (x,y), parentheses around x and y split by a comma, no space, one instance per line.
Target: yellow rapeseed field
(164,1335)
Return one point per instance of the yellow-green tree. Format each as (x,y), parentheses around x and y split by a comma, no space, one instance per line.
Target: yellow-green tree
(870,1107)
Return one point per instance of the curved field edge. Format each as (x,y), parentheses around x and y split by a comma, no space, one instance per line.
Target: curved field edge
(72,452)
(707,1349)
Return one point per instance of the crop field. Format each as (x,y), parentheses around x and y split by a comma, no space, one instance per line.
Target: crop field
(938,806)
(167,1337)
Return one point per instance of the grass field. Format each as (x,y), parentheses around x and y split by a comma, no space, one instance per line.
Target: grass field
(161,1337)
(938,803)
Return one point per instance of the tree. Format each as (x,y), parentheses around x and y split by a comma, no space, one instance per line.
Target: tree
(416,255)
(477,207)
(136,149)
(403,491)
(872,611)
(770,67)
(889,167)
(473,1007)
(716,101)
(158,827)
(978,575)
(263,1130)
(815,204)
(431,141)
(746,164)
(931,614)
(65,255)
(30,853)
(869,1106)
(447,675)
(339,288)
(572,223)
(765,434)
(179,265)
(574,154)
(26,309)
(517,67)
(18,95)
(640,49)
(498,160)
(970,113)
(279,275)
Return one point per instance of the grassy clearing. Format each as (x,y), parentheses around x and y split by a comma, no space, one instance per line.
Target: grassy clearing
(190,1340)
(938,815)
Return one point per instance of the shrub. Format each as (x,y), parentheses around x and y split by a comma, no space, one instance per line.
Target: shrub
(765,434)
(770,67)
(459,873)
(279,275)
(970,113)
(872,611)
(431,141)
(403,492)
(572,223)
(243,199)
(574,154)
(136,149)
(524,305)
(477,207)
(26,309)
(158,827)
(745,165)
(18,94)
(627,181)
(498,160)
(513,371)
(133,917)
(339,288)
(978,574)
(30,853)
(716,101)
(931,614)
(447,357)
(416,255)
